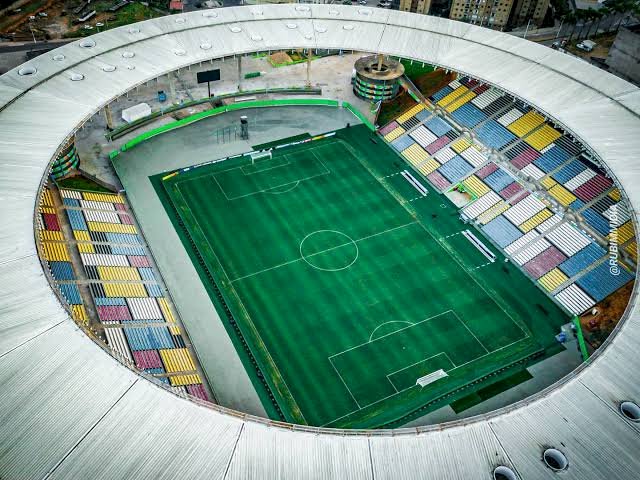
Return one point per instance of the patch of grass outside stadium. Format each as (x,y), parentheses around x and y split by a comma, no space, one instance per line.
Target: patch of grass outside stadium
(490,391)
(295,138)
(347,286)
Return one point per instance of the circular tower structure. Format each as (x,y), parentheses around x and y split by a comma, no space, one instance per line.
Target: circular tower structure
(377,77)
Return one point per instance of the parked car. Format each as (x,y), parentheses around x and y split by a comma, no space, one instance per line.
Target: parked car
(587,45)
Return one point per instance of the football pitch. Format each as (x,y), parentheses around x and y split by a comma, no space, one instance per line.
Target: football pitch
(345,286)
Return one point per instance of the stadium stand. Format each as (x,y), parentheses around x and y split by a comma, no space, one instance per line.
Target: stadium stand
(130,305)
(556,253)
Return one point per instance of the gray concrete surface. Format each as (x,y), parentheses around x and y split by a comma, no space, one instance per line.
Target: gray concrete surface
(544,374)
(186,146)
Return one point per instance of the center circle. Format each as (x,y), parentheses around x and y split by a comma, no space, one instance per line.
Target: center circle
(329,250)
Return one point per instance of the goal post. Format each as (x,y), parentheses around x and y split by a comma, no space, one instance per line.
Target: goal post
(259,155)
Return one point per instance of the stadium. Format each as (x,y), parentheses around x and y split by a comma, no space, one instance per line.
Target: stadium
(329,272)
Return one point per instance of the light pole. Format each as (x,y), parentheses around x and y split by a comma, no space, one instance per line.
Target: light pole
(527,29)
(560,28)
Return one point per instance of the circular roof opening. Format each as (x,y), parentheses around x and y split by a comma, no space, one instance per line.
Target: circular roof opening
(256,38)
(210,14)
(179,52)
(555,459)
(348,26)
(308,37)
(504,473)
(87,43)
(205,46)
(292,26)
(133,30)
(128,54)
(235,29)
(27,71)
(109,68)
(321,28)
(76,77)
(302,8)
(58,58)
(131,67)
(180,20)
(630,410)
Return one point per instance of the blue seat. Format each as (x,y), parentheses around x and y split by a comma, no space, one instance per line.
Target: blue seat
(566,173)
(499,180)
(502,231)
(440,94)
(600,282)
(581,260)
(455,169)
(148,338)
(552,159)
(494,135)
(469,115)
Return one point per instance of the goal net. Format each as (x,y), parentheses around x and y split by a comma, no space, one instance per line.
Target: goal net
(260,155)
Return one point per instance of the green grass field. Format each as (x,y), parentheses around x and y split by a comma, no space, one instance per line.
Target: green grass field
(346,285)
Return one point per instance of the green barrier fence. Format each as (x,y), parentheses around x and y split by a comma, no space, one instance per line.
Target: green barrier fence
(357,113)
(581,342)
(239,106)
(124,129)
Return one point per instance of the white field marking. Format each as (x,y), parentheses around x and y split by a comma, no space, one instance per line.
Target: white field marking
(323,251)
(386,323)
(246,312)
(492,297)
(326,172)
(345,244)
(345,385)
(284,191)
(481,266)
(392,175)
(423,360)
(389,375)
(413,386)
(391,333)
(492,351)
(473,334)
(286,157)
(452,235)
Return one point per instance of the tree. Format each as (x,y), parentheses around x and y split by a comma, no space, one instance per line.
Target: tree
(571,19)
(581,16)
(602,13)
(593,15)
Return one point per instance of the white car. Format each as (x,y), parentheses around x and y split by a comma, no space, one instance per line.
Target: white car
(362,2)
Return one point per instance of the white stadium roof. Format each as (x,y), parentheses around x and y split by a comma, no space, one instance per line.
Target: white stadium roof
(70,410)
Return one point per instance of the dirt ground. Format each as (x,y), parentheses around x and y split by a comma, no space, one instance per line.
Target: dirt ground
(596,328)
(604,43)
(278,58)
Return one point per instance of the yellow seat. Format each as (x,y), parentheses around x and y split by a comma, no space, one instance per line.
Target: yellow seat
(536,220)
(393,134)
(526,123)
(177,360)
(476,186)
(410,113)
(564,196)
(543,137)
(548,182)
(460,145)
(552,279)
(624,232)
